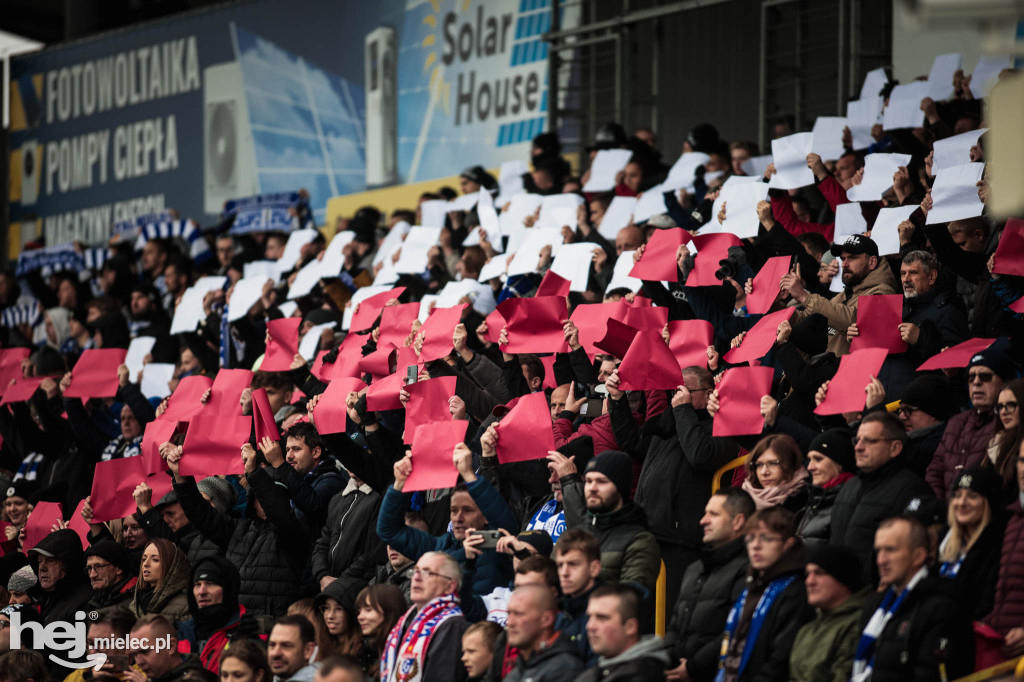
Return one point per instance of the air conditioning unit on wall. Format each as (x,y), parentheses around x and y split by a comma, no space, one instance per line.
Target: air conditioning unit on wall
(229,168)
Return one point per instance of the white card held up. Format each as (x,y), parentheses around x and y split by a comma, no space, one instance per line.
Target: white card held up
(475,237)
(287,308)
(555,208)
(495,267)
(413,259)
(606,165)
(521,207)
(878,172)
(307,278)
(861,116)
(940,77)
(466,202)
(393,241)
(684,171)
(874,81)
(311,340)
(620,275)
(293,247)
(837,281)
(828,137)
(756,165)
(885,232)
(573,263)
(986,74)
(527,258)
(189,311)
(849,220)
(790,158)
(618,215)
(427,303)
(434,212)
(904,109)
(741,201)
(650,204)
(955,194)
(453,291)
(488,216)
(334,255)
(138,349)
(244,296)
(156,379)
(264,268)
(956,150)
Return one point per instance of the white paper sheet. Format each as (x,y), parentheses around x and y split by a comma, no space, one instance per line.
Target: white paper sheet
(483,299)
(392,242)
(986,74)
(605,166)
(940,77)
(488,216)
(138,349)
(874,81)
(334,255)
(465,202)
(358,296)
(293,247)
(956,150)
(475,237)
(837,281)
(861,116)
(756,165)
(573,263)
(885,232)
(189,312)
(427,303)
(264,268)
(878,172)
(311,339)
(618,215)
(741,200)
(521,206)
(306,279)
(684,171)
(620,275)
(790,158)
(955,194)
(495,267)
(434,212)
(247,291)
(828,137)
(555,210)
(512,169)
(904,109)
(650,204)
(156,377)
(849,220)
(413,259)
(528,255)
(288,307)
(387,275)
(451,293)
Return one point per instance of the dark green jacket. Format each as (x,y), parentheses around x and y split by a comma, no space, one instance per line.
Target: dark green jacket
(823,650)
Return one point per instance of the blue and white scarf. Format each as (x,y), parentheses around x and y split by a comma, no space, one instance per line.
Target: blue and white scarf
(186,230)
(132,448)
(864,659)
(404,655)
(764,605)
(950,569)
(549,518)
(29,468)
(23,313)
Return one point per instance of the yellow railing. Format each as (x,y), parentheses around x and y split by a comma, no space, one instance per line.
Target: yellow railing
(1013,667)
(659,602)
(716,482)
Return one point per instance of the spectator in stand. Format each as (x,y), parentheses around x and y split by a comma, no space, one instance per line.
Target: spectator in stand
(966,438)
(379,608)
(339,669)
(163,582)
(831,463)
(111,574)
(63,589)
(914,628)
(247,661)
(107,625)
(478,647)
(926,404)
(20,584)
(711,585)
(290,648)
(545,655)
(335,606)
(776,475)
(1008,608)
(1003,448)
(578,557)
(351,516)
(151,636)
(823,649)
(613,625)
(167,520)
(882,488)
(219,623)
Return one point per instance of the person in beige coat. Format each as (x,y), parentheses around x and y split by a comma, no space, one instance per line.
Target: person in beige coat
(163,578)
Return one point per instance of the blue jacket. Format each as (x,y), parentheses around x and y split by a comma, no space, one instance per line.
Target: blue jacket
(492,569)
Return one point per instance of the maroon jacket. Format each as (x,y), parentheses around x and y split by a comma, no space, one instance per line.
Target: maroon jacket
(964,445)
(1009,601)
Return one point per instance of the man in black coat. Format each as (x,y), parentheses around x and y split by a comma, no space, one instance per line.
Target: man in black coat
(711,585)
(915,629)
(613,627)
(63,589)
(111,574)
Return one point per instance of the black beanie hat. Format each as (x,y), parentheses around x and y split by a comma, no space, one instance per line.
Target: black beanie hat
(111,552)
(344,590)
(839,562)
(984,481)
(539,540)
(617,466)
(837,446)
(997,358)
(932,394)
(811,334)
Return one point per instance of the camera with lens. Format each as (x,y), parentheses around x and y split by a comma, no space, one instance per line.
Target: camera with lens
(595,396)
(702,214)
(729,267)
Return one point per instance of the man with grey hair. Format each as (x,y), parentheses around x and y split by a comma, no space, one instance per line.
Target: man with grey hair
(426,643)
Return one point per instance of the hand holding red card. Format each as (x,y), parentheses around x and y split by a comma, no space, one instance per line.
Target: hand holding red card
(689,340)
(878,321)
(711,248)
(617,338)
(765,286)
(428,403)
(40,522)
(649,364)
(534,324)
(760,339)
(10,365)
(846,389)
(739,399)
(227,390)
(184,403)
(114,483)
(367,311)
(396,323)
(156,434)
(331,412)
(553,284)
(432,447)
(263,417)
(525,432)
(658,262)
(283,344)
(437,332)
(95,374)
(213,445)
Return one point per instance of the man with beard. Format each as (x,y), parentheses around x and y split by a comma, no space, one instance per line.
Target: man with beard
(864,274)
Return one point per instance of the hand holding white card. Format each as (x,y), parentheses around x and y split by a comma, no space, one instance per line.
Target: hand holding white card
(790,154)
(684,171)
(904,108)
(956,150)
(885,231)
(849,220)
(828,137)
(156,379)
(940,77)
(573,263)
(618,215)
(955,194)
(244,296)
(874,81)
(861,116)
(414,257)
(620,275)
(986,74)
(605,167)
(878,172)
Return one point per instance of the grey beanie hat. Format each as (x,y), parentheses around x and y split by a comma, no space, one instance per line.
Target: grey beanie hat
(221,495)
(22,580)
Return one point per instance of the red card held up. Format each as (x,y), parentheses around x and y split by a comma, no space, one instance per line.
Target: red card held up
(1009,255)
(553,284)
(658,262)
(283,345)
(689,340)
(957,357)
(711,248)
(95,374)
(765,287)
(383,394)
(378,363)
(21,390)
(432,448)
(535,324)
(591,319)
(760,339)
(156,434)
(649,364)
(617,338)
(437,332)
(184,402)
(495,323)
(80,525)
(115,480)
(549,371)
(367,311)
(428,403)
(739,397)
(645,318)
(1018,305)
(396,323)
(226,392)
(878,321)
(349,354)
(10,365)
(331,412)
(213,445)
(525,432)
(263,418)
(41,521)
(846,389)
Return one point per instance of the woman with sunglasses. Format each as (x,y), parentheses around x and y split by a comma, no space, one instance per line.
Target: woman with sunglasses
(1003,448)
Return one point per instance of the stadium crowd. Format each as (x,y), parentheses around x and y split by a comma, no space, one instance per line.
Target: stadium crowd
(319,462)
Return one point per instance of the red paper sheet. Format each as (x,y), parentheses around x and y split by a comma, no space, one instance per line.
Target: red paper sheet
(428,403)
(958,356)
(383,395)
(617,338)
(846,389)
(553,284)
(432,448)
(711,248)
(226,391)
(760,339)
(114,482)
(21,390)
(80,525)
(213,445)
(658,264)
(878,321)
(283,345)
(525,432)
(396,323)
(437,332)
(495,323)
(262,417)
(649,364)
(331,412)
(184,402)
(349,353)
(592,321)
(378,363)
(1018,305)
(156,434)
(95,374)
(766,284)
(739,397)
(10,365)
(644,318)
(549,371)
(41,521)
(689,340)
(1009,256)
(368,310)
(535,324)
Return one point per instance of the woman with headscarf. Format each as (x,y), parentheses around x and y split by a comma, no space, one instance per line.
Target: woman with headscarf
(776,476)
(163,582)
(58,327)
(831,463)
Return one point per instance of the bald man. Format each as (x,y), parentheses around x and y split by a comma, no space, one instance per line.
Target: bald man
(544,655)
(628,239)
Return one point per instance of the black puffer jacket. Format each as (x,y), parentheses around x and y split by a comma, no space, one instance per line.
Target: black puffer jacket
(351,519)
(711,585)
(269,553)
(557,663)
(814,521)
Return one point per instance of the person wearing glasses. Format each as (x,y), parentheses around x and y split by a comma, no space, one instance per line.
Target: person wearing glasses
(882,487)
(109,569)
(763,622)
(776,476)
(967,435)
(1003,448)
(426,644)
